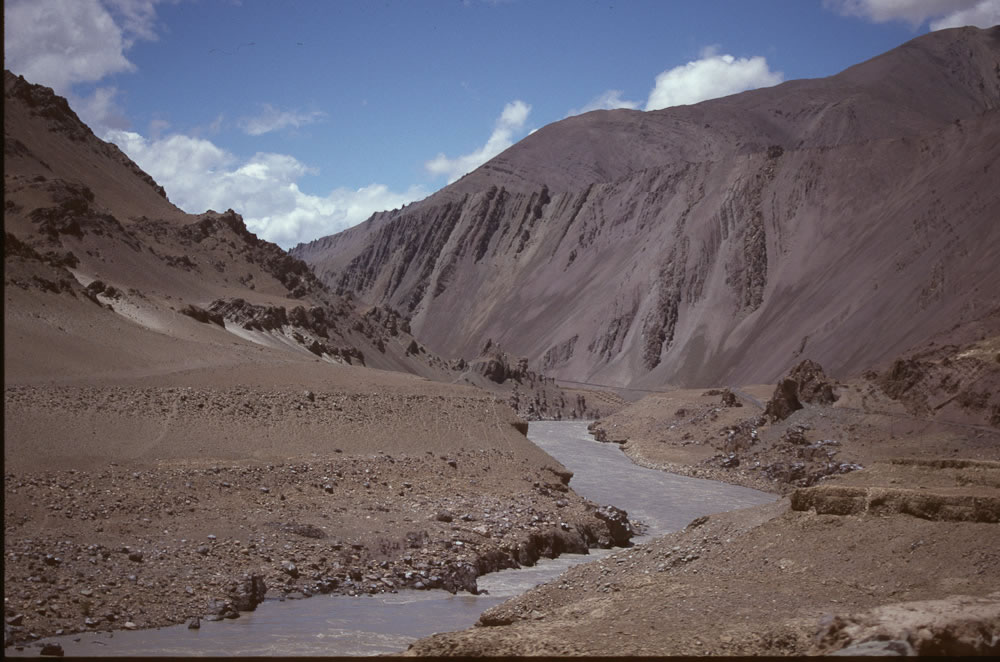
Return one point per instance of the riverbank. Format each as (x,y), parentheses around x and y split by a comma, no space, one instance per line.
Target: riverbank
(128,506)
(725,435)
(765,581)
(897,551)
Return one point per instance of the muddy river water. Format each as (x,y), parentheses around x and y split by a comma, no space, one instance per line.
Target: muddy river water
(370,625)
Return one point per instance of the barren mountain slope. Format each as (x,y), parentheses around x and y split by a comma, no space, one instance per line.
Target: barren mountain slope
(177,388)
(849,217)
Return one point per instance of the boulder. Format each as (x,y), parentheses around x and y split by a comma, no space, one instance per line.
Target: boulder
(806,382)
(784,402)
(956,625)
(248,592)
(618,525)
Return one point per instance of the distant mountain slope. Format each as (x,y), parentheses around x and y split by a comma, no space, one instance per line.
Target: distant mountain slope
(104,276)
(105,279)
(845,218)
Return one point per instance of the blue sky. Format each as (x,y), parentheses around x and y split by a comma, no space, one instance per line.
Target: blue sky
(307,116)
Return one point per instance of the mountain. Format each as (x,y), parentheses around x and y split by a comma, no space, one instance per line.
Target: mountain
(109,286)
(83,223)
(847,218)
(186,405)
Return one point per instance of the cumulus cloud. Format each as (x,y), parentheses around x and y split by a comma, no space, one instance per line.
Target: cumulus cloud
(608,100)
(942,13)
(99,110)
(62,42)
(273,119)
(198,175)
(710,77)
(138,18)
(983,14)
(511,120)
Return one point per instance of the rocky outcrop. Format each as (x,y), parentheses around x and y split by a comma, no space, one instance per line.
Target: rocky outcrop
(202,315)
(213,227)
(955,626)
(952,490)
(247,592)
(497,366)
(806,382)
(848,500)
(314,328)
(43,105)
(952,381)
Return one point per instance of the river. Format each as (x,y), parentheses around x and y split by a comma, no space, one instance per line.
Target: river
(370,625)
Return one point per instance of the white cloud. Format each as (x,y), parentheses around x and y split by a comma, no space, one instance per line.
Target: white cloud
(198,175)
(100,110)
(984,14)
(61,42)
(710,77)
(943,13)
(138,17)
(273,119)
(511,120)
(608,100)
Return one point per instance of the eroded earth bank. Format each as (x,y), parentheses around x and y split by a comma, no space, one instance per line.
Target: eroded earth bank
(109,524)
(884,542)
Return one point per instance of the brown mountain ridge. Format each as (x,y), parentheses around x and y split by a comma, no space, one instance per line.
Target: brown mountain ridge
(203,402)
(847,218)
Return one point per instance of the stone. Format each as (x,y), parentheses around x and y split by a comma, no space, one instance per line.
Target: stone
(248,592)
(729,399)
(784,402)
(953,626)
(194,623)
(52,649)
(806,382)
(618,524)
(877,649)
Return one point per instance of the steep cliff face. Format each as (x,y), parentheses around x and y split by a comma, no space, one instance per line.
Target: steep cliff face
(845,219)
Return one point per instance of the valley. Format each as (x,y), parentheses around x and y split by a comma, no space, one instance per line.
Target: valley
(789,291)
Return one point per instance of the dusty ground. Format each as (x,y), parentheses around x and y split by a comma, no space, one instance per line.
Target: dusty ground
(770,580)
(146,505)
(192,420)
(886,540)
(727,435)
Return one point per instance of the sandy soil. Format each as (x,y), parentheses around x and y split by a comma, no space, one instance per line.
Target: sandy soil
(782,579)
(192,420)
(131,504)
(887,536)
